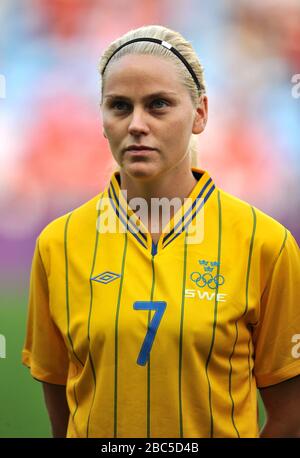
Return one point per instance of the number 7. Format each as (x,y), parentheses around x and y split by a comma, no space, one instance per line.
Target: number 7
(159,307)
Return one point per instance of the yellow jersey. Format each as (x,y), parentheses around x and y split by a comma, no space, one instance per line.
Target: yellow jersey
(166,340)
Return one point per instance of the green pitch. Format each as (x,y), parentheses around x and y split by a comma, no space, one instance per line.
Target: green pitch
(22,407)
(23,413)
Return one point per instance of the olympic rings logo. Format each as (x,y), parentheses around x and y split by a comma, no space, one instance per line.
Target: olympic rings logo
(207,279)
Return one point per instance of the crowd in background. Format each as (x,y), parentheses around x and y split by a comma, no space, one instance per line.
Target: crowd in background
(53,156)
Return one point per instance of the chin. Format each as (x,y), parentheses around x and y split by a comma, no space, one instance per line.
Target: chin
(141,170)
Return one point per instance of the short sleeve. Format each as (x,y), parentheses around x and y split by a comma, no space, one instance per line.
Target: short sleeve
(44,351)
(279,324)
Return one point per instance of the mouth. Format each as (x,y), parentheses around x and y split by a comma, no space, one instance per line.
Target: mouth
(139,150)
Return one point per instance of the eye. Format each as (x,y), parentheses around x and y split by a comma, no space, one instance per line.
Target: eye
(159,103)
(120,105)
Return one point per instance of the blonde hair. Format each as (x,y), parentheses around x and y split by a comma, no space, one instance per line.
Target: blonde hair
(144,47)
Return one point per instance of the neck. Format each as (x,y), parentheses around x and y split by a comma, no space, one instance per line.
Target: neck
(175,183)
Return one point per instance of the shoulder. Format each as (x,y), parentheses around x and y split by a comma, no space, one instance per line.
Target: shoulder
(247,222)
(80,220)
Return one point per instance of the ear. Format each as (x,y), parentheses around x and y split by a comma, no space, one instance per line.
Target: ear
(104,134)
(201,115)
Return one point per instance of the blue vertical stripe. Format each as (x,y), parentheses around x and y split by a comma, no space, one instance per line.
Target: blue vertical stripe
(181,433)
(215,316)
(89,318)
(244,313)
(117,339)
(67,287)
(149,360)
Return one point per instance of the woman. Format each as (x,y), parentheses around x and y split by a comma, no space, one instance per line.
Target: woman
(146,326)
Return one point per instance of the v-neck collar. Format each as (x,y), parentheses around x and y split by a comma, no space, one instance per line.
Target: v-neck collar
(177,224)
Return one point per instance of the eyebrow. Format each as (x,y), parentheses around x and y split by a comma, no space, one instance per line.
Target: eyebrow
(147,97)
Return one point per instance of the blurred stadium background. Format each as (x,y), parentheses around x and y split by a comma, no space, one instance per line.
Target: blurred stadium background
(53,156)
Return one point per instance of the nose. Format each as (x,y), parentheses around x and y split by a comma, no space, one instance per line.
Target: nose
(138,122)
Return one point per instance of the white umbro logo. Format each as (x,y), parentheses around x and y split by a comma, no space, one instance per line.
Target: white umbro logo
(106,277)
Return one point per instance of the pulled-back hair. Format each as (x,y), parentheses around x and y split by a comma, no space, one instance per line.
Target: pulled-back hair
(144,47)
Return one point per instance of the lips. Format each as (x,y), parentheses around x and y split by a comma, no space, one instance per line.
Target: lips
(138,151)
(138,148)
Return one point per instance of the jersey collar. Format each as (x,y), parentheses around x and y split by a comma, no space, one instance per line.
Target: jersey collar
(177,224)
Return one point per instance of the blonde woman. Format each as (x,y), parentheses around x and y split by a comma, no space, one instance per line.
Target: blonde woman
(160,306)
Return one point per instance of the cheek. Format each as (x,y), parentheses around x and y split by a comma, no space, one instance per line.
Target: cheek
(111,130)
(179,132)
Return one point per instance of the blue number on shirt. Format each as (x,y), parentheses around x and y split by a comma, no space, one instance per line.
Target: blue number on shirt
(159,307)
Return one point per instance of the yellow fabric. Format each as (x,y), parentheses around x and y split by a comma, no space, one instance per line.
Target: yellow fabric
(231,310)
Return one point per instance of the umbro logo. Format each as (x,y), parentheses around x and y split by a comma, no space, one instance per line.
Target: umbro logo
(106,277)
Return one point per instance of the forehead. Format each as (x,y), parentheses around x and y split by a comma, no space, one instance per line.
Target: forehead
(141,72)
